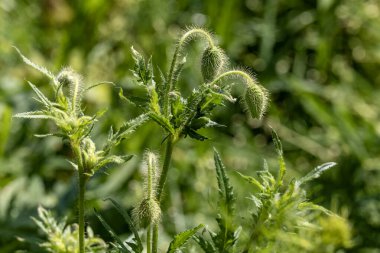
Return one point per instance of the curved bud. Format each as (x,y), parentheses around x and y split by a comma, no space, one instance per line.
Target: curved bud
(67,77)
(212,62)
(256,100)
(255,97)
(147,212)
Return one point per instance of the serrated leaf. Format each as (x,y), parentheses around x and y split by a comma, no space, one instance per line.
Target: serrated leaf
(127,129)
(33,115)
(160,86)
(252,181)
(181,238)
(178,70)
(111,161)
(162,121)
(282,166)
(42,98)
(207,246)
(258,204)
(277,142)
(316,172)
(225,189)
(142,71)
(137,101)
(41,69)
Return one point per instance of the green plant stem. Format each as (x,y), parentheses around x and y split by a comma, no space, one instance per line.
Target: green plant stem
(81,208)
(165,167)
(161,184)
(155,239)
(189,34)
(247,77)
(81,198)
(149,239)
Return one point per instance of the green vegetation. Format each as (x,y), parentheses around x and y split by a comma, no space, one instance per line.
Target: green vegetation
(318,60)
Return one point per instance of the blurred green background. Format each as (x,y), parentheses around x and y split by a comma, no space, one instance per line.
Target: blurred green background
(319,59)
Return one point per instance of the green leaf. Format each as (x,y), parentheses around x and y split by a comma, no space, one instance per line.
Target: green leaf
(98,84)
(130,223)
(41,69)
(178,70)
(50,134)
(33,115)
(277,142)
(75,166)
(225,189)
(119,242)
(316,172)
(207,246)
(110,161)
(142,71)
(137,101)
(42,98)
(282,168)
(162,121)
(127,129)
(181,238)
(193,134)
(252,181)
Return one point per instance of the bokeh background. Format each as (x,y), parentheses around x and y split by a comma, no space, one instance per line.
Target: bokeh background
(319,59)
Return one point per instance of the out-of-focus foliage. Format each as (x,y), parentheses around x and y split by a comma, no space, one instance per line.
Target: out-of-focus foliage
(62,238)
(280,218)
(319,60)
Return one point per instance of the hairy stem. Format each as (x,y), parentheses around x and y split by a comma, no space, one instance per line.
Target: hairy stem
(161,184)
(177,52)
(149,239)
(81,198)
(246,76)
(155,239)
(81,206)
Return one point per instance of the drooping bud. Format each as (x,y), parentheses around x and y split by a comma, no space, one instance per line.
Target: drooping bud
(68,78)
(147,212)
(212,63)
(256,100)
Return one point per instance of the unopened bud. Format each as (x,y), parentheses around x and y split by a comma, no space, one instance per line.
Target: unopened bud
(212,62)
(147,212)
(67,77)
(89,153)
(256,100)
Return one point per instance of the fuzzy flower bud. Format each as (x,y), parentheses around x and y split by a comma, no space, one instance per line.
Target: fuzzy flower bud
(256,100)
(212,62)
(147,212)
(67,77)
(89,153)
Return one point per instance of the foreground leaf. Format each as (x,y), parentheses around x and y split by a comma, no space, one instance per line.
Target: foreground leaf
(181,238)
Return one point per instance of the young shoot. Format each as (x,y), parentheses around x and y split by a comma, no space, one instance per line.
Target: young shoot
(180,116)
(72,125)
